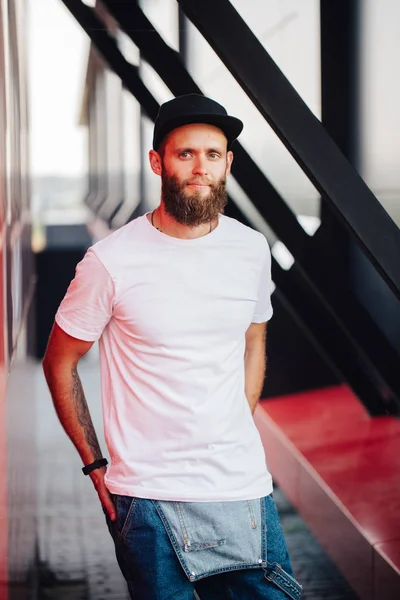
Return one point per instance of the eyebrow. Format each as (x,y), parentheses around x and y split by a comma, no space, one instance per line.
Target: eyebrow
(189,149)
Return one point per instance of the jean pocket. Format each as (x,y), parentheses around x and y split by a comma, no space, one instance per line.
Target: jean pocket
(213,537)
(193,535)
(125,507)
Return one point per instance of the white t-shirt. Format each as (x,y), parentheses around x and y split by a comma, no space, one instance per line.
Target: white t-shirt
(171,315)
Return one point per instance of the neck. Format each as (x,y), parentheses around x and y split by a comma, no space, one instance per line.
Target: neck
(165,223)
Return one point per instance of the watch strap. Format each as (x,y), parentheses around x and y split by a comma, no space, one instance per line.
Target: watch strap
(97,464)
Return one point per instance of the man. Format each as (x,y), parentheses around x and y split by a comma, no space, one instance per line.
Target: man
(179,299)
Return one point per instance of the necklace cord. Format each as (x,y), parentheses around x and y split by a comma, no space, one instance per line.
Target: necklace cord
(152,222)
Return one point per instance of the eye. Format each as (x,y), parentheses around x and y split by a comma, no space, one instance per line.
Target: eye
(184,154)
(213,155)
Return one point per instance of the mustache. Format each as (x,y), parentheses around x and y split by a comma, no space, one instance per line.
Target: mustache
(200,182)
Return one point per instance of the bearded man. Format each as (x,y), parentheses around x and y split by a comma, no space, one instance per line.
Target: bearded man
(179,300)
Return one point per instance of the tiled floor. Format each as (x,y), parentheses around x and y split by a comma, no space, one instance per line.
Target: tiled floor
(75,548)
(76,552)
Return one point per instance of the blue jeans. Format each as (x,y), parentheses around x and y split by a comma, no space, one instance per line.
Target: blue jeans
(153,571)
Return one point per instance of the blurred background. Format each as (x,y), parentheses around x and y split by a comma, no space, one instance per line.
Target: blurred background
(289,31)
(317,171)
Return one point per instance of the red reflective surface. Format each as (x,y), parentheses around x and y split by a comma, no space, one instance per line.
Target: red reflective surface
(341,468)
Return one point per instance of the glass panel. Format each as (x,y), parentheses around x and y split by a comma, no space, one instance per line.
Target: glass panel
(113,88)
(151,182)
(257,138)
(289,31)
(163,14)
(154,83)
(131,158)
(380,101)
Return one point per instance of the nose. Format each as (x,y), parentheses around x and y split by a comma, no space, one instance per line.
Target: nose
(200,165)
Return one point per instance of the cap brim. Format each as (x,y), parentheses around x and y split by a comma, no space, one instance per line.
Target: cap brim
(231,126)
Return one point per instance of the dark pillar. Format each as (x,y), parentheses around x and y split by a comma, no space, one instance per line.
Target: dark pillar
(183,36)
(340,81)
(340,74)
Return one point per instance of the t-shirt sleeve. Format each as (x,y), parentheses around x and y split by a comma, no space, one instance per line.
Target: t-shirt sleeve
(88,304)
(263,310)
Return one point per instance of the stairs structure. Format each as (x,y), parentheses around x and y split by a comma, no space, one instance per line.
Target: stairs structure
(329,420)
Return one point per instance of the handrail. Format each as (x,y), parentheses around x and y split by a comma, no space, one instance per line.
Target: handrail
(166,62)
(329,328)
(301,132)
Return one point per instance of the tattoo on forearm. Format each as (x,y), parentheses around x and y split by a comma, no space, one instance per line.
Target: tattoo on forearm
(82,412)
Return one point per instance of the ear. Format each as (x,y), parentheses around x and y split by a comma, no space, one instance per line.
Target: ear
(229,160)
(155,162)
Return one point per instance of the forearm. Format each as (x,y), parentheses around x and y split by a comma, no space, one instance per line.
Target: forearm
(254,368)
(72,409)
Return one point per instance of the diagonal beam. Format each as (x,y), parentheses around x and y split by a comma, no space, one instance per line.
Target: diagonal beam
(347,359)
(167,63)
(301,132)
(108,47)
(324,326)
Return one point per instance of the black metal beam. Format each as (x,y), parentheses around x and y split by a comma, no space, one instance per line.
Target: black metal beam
(369,344)
(340,80)
(310,295)
(183,38)
(340,74)
(301,132)
(169,66)
(323,331)
(108,47)
(340,113)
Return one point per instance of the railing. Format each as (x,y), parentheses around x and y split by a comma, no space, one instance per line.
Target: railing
(337,324)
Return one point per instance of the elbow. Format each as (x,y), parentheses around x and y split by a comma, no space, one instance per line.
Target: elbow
(46,365)
(56,364)
(50,364)
(47,357)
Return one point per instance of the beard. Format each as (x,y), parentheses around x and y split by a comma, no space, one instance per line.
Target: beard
(192,209)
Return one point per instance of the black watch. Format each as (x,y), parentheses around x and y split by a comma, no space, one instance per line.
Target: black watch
(97,464)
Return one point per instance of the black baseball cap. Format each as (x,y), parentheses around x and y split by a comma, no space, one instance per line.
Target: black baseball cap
(194,108)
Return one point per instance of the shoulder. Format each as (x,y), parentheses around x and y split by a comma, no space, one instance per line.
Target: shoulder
(119,243)
(242,233)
